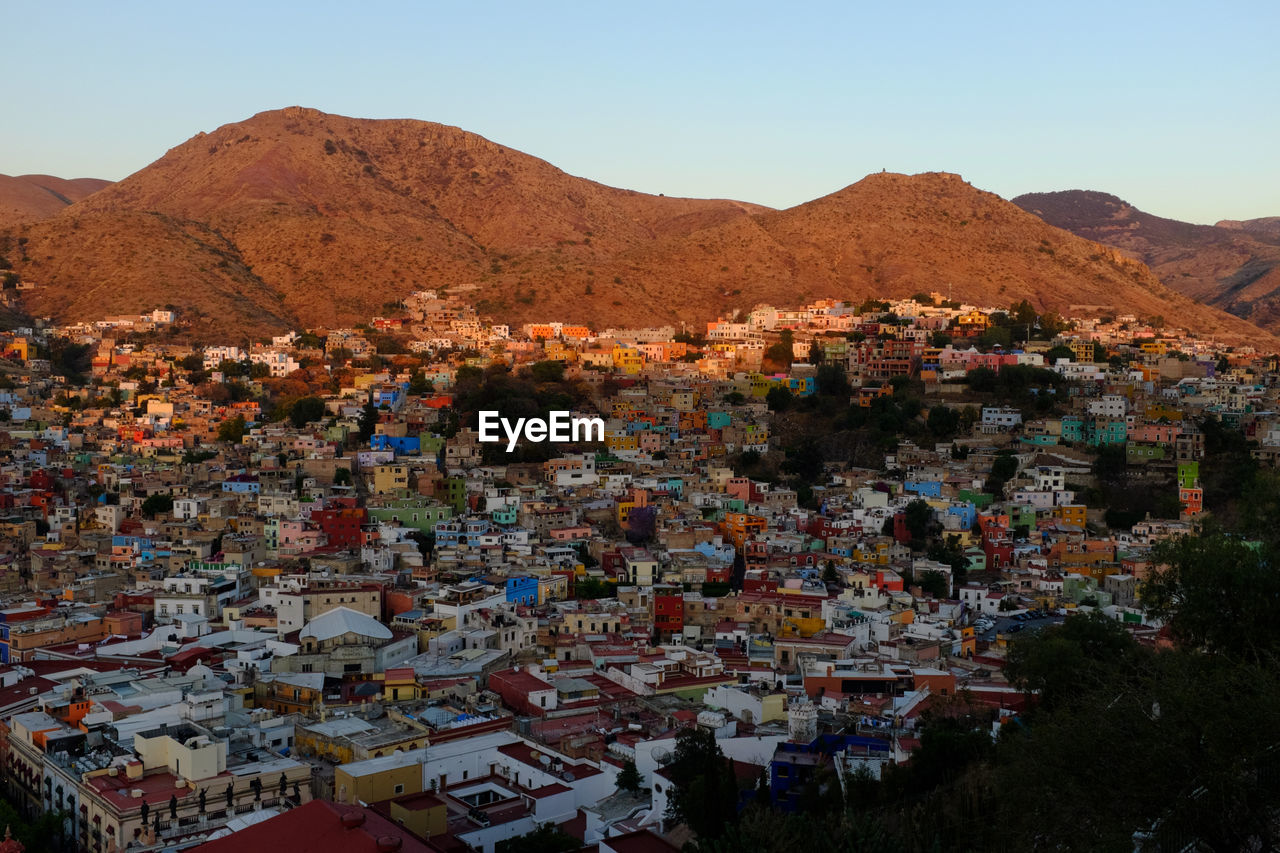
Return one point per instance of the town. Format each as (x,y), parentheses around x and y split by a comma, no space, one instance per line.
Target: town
(260,590)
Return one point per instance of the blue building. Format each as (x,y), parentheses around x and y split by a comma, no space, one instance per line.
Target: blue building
(924,488)
(397,444)
(794,765)
(522,591)
(966,512)
(241,484)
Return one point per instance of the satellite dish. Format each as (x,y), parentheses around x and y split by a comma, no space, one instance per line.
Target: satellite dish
(545,760)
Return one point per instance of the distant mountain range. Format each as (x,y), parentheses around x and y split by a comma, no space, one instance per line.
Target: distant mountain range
(296,218)
(29,198)
(1233,265)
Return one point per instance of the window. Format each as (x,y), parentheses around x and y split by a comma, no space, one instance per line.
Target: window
(399,789)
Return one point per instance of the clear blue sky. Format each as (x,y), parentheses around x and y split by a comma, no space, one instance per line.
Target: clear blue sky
(1174,106)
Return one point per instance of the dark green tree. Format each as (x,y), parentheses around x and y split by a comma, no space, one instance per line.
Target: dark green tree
(156,504)
(306,410)
(232,429)
(1060,351)
(779,399)
(1003,469)
(368,422)
(629,778)
(934,583)
(705,792)
(1218,593)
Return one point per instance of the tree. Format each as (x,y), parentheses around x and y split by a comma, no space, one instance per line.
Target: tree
(157,504)
(589,589)
(934,583)
(419,384)
(1052,324)
(996,336)
(816,354)
(1024,314)
(779,399)
(1058,661)
(1217,593)
(547,371)
(368,421)
(1003,469)
(342,477)
(781,353)
(943,421)
(919,517)
(829,573)
(805,460)
(306,410)
(981,379)
(705,792)
(1059,351)
(232,429)
(939,339)
(629,779)
(426,542)
(832,381)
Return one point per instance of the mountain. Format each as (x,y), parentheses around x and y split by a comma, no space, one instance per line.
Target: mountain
(1266,227)
(298,218)
(29,198)
(1234,266)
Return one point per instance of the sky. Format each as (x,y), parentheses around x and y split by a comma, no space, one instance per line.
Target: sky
(1173,106)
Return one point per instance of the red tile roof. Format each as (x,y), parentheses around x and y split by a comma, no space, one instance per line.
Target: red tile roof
(321,827)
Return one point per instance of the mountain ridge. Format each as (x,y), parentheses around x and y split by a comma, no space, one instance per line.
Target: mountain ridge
(30,198)
(298,217)
(1233,265)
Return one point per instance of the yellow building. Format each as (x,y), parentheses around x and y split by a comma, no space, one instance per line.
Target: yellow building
(1082,350)
(390,478)
(627,360)
(621,441)
(553,588)
(18,346)
(377,779)
(1075,514)
(425,814)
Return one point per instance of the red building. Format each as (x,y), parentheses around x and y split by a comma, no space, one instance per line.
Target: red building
(523,692)
(341,525)
(668,610)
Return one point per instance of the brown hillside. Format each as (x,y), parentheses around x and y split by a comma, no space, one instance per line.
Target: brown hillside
(295,216)
(30,198)
(1234,266)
